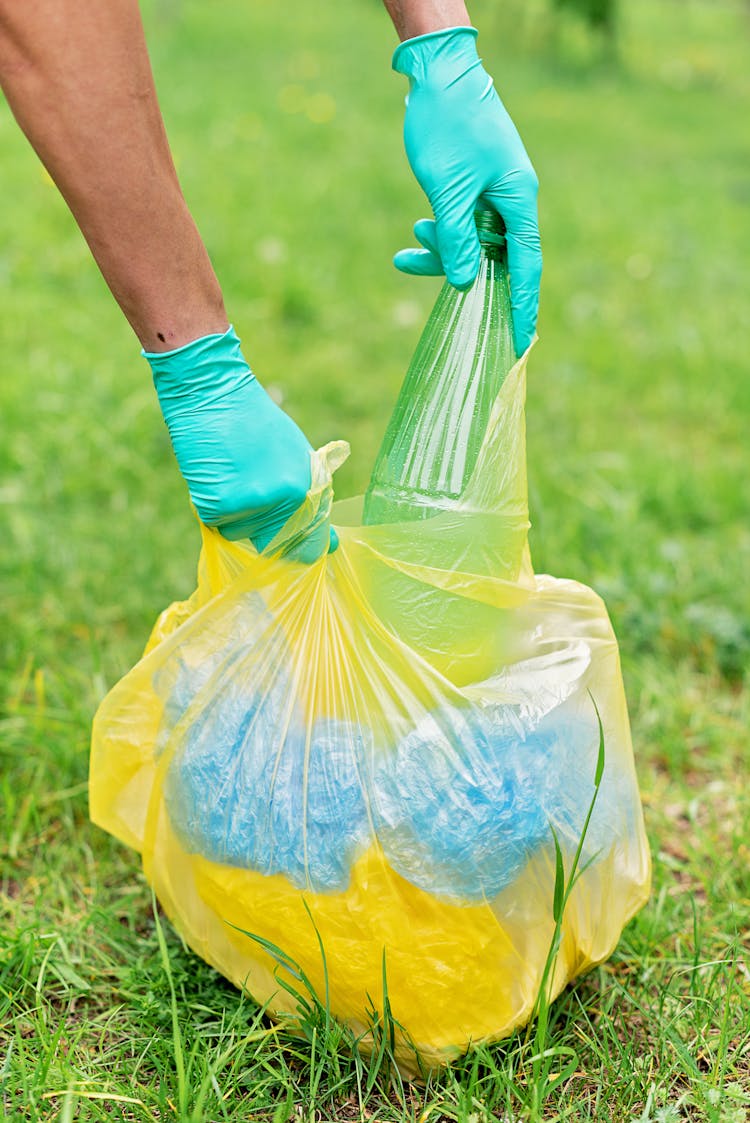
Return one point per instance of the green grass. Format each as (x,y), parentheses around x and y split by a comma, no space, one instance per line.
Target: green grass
(286,130)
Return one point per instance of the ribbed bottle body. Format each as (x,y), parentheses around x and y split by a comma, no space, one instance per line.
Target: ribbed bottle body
(434,435)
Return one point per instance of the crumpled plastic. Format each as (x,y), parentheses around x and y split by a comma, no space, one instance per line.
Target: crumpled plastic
(374,754)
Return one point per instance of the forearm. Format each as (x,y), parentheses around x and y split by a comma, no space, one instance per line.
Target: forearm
(77,77)
(418,17)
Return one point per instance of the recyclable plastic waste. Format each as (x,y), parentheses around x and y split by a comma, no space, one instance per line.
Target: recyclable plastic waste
(365,762)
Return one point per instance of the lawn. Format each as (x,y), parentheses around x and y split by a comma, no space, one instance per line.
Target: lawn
(286,133)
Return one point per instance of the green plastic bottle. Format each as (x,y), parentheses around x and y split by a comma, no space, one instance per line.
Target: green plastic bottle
(442,412)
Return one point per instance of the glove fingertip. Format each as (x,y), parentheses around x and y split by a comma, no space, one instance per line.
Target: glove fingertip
(401,260)
(524,313)
(522,341)
(461,256)
(464,276)
(418,263)
(425,231)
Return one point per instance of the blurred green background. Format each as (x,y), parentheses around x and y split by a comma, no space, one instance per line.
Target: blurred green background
(286,129)
(286,132)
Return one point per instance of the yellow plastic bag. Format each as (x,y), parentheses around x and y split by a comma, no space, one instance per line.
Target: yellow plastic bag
(371,753)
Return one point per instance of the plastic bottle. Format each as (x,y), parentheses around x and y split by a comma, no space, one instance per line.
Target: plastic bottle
(473,524)
(436,430)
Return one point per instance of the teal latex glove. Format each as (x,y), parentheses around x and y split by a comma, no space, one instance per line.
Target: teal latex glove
(246,463)
(462,145)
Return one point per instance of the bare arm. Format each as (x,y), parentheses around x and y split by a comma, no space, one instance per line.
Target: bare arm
(77,76)
(418,17)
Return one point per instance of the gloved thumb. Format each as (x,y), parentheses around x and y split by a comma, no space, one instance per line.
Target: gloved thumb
(457,240)
(425,262)
(323,539)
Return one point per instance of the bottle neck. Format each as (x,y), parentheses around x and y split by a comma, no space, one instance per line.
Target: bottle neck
(491,232)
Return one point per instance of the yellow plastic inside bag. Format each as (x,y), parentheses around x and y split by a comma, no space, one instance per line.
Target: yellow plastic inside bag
(370,753)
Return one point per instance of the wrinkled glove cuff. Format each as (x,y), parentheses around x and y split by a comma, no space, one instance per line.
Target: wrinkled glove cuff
(195,346)
(413,56)
(205,369)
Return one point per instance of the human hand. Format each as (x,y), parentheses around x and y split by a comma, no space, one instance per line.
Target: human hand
(246,463)
(461,144)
